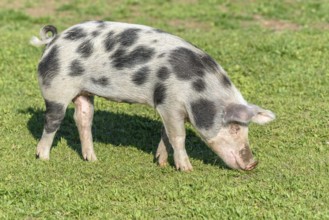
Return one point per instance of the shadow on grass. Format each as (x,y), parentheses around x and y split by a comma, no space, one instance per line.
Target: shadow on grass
(120,130)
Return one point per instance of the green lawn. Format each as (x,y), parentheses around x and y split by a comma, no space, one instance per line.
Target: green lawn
(276,53)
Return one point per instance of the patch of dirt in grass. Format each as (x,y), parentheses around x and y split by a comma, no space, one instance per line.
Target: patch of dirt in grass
(47,8)
(187,1)
(35,9)
(276,25)
(44,9)
(134,12)
(11,4)
(321,26)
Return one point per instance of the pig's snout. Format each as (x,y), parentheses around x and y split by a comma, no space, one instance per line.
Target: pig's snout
(245,165)
(251,166)
(245,158)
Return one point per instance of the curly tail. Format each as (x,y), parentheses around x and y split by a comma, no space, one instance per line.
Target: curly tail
(45,38)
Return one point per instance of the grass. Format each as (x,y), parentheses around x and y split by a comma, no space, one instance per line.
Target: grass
(275,53)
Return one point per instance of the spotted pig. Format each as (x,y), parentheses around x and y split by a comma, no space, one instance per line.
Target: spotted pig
(139,64)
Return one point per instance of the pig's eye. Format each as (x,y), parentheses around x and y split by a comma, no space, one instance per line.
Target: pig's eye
(234,128)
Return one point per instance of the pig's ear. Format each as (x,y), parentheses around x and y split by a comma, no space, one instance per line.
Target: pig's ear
(247,113)
(261,116)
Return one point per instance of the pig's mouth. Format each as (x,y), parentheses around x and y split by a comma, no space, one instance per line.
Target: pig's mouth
(251,166)
(248,167)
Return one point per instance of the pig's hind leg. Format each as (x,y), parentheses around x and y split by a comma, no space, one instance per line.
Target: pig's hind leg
(55,112)
(83,116)
(57,97)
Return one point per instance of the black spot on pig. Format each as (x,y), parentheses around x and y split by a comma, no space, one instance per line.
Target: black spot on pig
(204,112)
(163,73)
(75,33)
(128,37)
(102,81)
(159,94)
(199,85)
(237,113)
(186,64)
(140,77)
(55,113)
(226,81)
(118,53)
(209,63)
(95,33)
(49,66)
(109,41)
(139,55)
(76,68)
(85,49)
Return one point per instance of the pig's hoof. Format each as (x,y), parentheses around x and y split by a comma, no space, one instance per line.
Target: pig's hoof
(184,165)
(162,164)
(162,158)
(41,157)
(42,154)
(162,155)
(89,156)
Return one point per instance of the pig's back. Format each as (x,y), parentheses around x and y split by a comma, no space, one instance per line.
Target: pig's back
(135,63)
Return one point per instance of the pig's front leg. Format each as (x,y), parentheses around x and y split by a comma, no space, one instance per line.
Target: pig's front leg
(175,130)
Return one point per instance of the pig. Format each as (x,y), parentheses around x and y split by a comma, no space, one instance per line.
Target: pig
(139,64)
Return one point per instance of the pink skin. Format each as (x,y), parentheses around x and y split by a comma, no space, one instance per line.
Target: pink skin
(231,145)
(83,116)
(234,161)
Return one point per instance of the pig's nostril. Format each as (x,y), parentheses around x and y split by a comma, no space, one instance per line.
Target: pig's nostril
(251,166)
